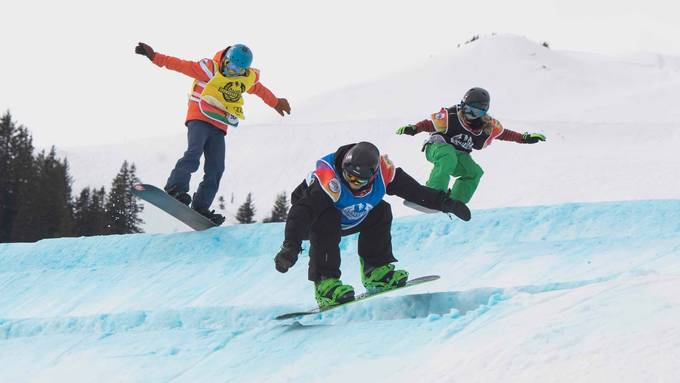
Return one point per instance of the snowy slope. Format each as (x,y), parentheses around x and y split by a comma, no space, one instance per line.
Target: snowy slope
(612,127)
(564,293)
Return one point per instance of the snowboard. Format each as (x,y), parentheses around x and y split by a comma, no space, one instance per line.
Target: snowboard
(462,211)
(162,200)
(420,208)
(359,298)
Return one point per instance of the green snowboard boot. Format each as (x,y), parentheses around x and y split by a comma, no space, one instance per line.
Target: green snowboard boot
(331,292)
(382,278)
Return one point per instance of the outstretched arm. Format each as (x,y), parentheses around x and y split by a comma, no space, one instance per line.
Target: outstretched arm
(522,138)
(196,70)
(404,186)
(279,104)
(422,126)
(264,93)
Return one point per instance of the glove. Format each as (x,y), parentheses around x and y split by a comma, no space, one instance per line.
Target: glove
(407,129)
(282,106)
(145,50)
(287,256)
(532,138)
(457,208)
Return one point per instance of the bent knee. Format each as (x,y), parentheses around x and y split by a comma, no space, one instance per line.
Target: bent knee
(478,171)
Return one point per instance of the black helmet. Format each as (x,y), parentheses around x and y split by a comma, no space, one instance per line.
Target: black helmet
(361,161)
(477,98)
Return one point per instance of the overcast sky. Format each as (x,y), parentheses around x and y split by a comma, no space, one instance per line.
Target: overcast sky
(70,75)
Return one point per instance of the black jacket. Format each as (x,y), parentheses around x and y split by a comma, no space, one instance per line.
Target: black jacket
(308,201)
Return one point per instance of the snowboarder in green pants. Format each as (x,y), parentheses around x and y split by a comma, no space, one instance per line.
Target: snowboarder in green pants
(454,132)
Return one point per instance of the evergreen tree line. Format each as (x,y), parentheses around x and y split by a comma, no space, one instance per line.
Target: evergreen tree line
(279,213)
(36,199)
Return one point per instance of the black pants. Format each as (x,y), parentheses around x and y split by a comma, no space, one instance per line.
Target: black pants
(375,241)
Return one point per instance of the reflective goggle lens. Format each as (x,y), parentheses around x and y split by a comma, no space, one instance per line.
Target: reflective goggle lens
(354,179)
(232,70)
(473,112)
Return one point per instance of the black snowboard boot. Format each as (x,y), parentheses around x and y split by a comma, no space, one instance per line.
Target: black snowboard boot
(216,218)
(182,197)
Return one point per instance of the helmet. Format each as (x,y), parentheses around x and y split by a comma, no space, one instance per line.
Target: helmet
(475,103)
(360,164)
(477,98)
(239,55)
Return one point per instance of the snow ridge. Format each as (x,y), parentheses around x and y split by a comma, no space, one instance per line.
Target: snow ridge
(587,289)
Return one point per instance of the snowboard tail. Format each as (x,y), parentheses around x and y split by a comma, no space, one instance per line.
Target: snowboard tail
(461,210)
(358,298)
(170,205)
(420,208)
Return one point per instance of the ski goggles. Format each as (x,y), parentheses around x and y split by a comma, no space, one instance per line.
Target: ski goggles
(351,178)
(230,69)
(472,112)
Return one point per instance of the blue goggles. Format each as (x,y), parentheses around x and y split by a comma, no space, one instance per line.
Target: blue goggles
(230,69)
(472,112)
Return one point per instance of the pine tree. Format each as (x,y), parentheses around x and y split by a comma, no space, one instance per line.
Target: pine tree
(89,213)
(6,131)
(7,192)
(47,209)
(17,173)
(81,210)
(55,181)
(246,211)
(98,218)
(280,209)
(122,207)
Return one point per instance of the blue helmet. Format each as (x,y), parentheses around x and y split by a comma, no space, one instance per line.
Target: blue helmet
(239,55)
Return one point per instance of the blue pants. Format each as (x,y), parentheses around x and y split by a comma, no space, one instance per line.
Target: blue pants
(203,139)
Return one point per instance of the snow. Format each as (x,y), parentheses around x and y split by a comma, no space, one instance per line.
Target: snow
(563,293)
(611,122)
(568,271)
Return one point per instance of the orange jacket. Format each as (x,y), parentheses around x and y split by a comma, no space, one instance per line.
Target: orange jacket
(194,70)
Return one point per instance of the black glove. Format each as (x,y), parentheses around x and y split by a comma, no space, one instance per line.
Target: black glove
(532,138)
(145,50)
(282,106)
(456,207)
(287,256)
(407,129)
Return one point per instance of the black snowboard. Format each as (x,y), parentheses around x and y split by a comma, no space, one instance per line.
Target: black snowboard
(165,202)
(358,298)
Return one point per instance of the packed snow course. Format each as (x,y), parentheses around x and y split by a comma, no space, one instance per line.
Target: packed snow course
(562,293)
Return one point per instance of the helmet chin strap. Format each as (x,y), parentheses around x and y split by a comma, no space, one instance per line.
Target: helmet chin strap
(224,54)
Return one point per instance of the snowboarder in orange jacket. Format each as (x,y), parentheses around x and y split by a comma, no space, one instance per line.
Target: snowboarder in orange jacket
(215,104)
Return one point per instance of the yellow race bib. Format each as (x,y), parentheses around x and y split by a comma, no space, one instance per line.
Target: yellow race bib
(225,94)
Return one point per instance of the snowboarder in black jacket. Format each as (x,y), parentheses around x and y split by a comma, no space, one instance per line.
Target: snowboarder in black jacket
(344,195)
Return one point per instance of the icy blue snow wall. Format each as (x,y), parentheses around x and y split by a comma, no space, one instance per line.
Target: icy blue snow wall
(233,266)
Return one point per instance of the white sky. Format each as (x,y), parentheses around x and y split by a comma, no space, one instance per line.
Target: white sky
(70,75)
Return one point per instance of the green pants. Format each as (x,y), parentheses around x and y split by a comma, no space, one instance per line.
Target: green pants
(449,162)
